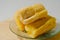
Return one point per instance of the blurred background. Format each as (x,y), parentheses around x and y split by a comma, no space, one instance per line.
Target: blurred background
(8,7)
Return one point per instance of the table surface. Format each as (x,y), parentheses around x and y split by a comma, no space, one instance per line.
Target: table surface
(5,33)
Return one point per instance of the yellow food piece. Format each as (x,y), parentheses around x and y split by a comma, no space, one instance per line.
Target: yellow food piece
(38,7)
(19,24)
(36,24)
(28,14)
(41,26)
(38,15)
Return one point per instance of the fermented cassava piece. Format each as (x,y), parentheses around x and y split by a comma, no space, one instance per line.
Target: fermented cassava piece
(32,13)
(40,26)
(19,24)
(29,14)
(34,20)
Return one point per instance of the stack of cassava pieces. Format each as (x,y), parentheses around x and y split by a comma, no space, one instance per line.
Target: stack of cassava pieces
(35,20)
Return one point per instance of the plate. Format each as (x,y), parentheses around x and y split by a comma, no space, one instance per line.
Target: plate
(13,27)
